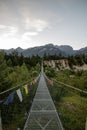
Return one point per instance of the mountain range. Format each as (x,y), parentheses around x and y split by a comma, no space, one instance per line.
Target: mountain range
(48,49)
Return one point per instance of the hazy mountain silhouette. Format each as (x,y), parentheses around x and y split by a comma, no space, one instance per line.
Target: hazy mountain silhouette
(48,49)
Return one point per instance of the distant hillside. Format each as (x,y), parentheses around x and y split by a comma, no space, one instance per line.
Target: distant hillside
(48,49)
(9,51)
(82,51)
(64,64)
(67,49)
(57,64)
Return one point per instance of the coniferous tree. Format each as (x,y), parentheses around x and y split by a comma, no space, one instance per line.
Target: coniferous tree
(4,72)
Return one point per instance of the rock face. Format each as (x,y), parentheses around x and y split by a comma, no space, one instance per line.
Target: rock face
(82,51)
(58,64)
(67,49)
(48,49)
(63,64)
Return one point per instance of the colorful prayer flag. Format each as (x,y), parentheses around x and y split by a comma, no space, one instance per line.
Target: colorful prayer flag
(26,89)
(22,90)
(28,86)
(31,83)
(19,95)
(9,99)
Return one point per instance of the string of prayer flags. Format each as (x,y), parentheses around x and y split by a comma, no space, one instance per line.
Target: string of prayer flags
(19,95)
(31,83)
(9,99)
(28,86)
(22,91)
(26,89)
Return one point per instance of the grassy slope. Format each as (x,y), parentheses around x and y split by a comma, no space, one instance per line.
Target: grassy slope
(73,111)
(71,105)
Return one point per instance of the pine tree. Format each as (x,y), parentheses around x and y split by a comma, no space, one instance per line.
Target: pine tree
(4,71)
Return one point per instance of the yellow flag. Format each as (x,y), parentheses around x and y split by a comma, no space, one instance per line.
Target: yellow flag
(26,89)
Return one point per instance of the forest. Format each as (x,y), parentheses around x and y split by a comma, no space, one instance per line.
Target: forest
(18,70)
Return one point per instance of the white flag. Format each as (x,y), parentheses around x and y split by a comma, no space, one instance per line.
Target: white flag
(19,95)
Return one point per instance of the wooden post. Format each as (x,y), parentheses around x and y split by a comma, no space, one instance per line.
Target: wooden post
(86,124)
(0,121)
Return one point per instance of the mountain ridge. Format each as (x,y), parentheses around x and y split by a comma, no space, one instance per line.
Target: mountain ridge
(48,49)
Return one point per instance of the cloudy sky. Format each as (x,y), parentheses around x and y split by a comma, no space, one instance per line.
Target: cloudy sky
(29,23)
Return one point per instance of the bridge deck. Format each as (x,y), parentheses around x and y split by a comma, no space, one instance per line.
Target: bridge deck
(43,114)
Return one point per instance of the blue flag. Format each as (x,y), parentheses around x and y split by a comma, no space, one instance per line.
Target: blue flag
(9,99)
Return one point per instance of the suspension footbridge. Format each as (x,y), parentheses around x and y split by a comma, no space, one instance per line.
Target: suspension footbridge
(43,114)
